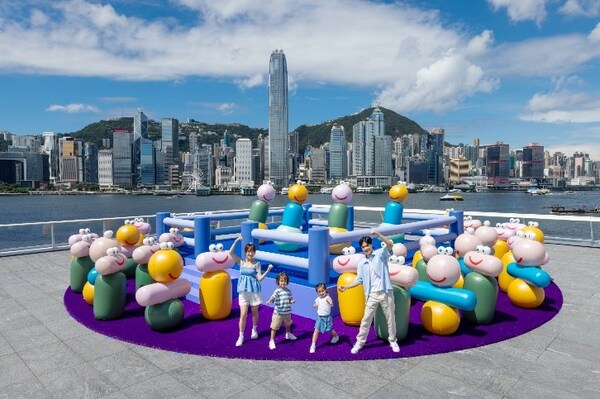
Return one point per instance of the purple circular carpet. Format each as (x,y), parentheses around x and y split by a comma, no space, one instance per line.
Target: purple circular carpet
(196,335)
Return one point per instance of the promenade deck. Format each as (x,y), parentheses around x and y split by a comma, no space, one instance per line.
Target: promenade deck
(44,353)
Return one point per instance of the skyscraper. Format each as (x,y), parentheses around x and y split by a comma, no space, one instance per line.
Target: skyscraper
(140,131)
(278,119)
(338,150)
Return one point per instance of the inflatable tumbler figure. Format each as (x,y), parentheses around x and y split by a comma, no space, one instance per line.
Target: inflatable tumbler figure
(292,216)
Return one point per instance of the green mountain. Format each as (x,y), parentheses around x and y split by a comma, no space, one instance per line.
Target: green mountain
(315,135)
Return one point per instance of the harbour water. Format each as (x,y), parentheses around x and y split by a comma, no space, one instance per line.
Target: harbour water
(27,208)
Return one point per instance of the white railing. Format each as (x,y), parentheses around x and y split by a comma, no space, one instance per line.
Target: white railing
(25,238)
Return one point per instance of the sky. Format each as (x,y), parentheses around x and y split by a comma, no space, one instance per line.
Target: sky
(516,71)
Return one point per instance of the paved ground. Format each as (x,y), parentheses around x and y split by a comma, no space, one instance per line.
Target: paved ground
(44,353)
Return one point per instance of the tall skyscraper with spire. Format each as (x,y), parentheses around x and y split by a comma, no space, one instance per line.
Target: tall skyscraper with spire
(278,119)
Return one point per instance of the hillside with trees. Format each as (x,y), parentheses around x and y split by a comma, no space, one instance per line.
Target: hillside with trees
(315,135)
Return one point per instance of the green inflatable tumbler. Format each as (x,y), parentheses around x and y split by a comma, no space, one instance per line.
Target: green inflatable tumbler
(402,301)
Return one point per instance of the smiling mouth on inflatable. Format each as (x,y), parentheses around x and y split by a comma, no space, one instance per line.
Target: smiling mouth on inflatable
(298,200)
(172,277)
(220,262)
(473,262)
(344,263)
(340,199)
(437,281)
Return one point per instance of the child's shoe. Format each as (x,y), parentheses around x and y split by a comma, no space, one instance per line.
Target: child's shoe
(254,334)
(313,348)
(272,344)
(290,336)
(334,340)
(240,341)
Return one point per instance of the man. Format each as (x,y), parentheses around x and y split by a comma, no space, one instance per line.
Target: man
(374,275)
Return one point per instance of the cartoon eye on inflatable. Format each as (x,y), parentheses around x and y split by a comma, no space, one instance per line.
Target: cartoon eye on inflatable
(81,231)
(531,223)
(467,218)
(149,241)
(138,220)
(402,183)
(112,251)
(219,247)
(498,224)
(348,251)
(449,251)
(393,259)
(212,248)
(108,234)
(87,237)
(530,235)
(520,234)
(484,249)
(86,231)
(441,250)
(487,223)
(173,230)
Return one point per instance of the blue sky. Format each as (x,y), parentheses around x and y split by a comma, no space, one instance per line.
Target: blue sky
(516,71)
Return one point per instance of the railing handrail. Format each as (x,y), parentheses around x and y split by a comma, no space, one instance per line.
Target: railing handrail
(55,245)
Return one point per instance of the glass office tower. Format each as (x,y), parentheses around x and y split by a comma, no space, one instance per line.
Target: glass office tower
(278,119)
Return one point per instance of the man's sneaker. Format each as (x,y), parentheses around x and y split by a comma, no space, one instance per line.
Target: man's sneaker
(395,347)
(357,347)
(272,344)
(290,336)
(334,340)
(254,334)
(240,341)
(312,349)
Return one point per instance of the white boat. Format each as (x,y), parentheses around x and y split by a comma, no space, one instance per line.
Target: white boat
(326,190)
(451,197)
(247,191)
(369,190)
(284,190)
(537,191)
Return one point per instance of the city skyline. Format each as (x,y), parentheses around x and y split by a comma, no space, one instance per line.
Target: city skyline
(498,70)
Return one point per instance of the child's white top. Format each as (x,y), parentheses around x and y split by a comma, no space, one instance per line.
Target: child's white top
(323,306)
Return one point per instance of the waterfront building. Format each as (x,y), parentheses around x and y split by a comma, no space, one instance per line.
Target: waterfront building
(148,175)
(318,165)
(435,157)
(122,158)
(278,120)
(169,146)
(533,162)
(459,169)
(203,165)
(105,168)
(366,151)
(382,161)
(50,148)
(69,164)
(497,167)
(90,163)
(294,153)
(223,176)
(140,131)
(338,153)
(243,162)
(416,171)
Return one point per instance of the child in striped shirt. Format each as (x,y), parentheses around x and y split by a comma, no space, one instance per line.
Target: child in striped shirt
(283,300)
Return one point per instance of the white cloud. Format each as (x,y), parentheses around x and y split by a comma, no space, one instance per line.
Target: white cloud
(72,108)
(438,87)
(581,8)
(522,10)
(226,108)
(411,58)
(562,107)
(595,34)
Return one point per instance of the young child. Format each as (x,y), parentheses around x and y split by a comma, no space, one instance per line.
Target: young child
(283,300)
(248,287)
(324,323)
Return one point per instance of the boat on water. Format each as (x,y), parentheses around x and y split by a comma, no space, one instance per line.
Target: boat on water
(326,190)
(537,191)
(369,190)
(452,197)
(564,210)
(284,190)
(247,191)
